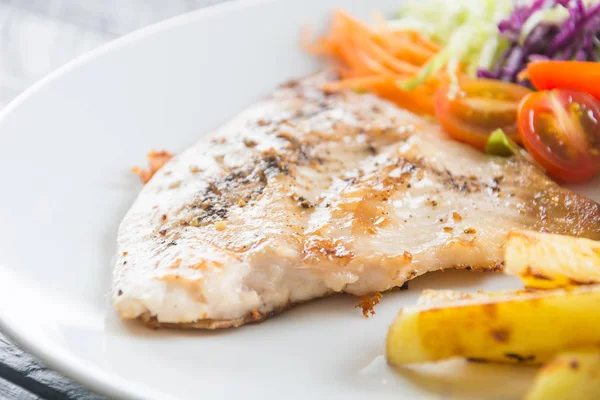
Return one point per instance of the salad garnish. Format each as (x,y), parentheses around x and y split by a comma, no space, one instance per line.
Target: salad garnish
(473,65)
(546,30)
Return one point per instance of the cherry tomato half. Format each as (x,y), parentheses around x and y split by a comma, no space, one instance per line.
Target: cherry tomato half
(561,130)
(482,106)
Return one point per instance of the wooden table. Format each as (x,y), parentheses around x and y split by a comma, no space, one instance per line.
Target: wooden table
(37,36)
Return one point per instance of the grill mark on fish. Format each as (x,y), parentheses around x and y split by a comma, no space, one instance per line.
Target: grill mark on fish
(241,186)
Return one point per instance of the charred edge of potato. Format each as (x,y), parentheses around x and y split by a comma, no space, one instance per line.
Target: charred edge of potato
(548,261)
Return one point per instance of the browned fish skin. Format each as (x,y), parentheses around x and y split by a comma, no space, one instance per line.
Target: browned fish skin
(308,194)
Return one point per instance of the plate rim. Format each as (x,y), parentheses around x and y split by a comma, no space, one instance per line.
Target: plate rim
(90,376)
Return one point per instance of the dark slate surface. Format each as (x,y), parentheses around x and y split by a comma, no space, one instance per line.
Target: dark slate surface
(19,370)
(37,36)
(9,390)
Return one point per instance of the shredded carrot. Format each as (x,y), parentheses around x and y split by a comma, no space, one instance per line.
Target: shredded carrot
(426,42)
(419,100)
(376,59)
(376,51)
(156,159)
(354,59)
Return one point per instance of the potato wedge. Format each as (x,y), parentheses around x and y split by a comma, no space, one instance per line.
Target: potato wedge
(545,261)
(524,327)
(570,376)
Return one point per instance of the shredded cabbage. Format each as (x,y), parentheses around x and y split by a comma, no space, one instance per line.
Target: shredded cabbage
(468,30)
(554,16)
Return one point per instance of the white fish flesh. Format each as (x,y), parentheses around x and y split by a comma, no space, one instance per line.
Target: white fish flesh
(307,194)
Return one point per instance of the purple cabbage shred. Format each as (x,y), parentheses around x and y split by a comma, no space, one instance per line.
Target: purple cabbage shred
(578,38)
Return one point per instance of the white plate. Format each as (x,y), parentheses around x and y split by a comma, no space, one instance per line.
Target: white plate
(67,146)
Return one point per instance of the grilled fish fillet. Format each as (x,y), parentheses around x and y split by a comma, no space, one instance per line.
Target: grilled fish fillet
(307,194)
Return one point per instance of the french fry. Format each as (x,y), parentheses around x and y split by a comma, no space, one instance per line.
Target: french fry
(546,261)
(572,375)
(522,327)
